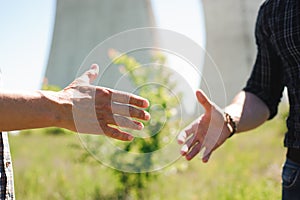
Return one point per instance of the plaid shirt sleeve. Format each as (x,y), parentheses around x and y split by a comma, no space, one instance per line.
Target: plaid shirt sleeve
(266,80)
(6,172)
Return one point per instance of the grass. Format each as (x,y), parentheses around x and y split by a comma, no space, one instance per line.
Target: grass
(247,166)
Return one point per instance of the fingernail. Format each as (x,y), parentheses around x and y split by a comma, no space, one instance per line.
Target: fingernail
(95,67)
(205,159)
(179,141)
(146,103)
(141,126)
(147,115)
(130,137)
(184,150)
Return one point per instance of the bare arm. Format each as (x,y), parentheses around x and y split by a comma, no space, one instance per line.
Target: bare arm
(79,107)
(29,109)
(210,130)
(248,111)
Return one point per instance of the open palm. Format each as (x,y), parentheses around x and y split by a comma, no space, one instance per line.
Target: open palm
(208,132)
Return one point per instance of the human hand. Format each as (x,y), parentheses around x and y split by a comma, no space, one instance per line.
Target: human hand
(99,110)
(209,131)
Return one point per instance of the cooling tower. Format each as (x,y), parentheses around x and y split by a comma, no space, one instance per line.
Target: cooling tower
(231,45)
(80,25)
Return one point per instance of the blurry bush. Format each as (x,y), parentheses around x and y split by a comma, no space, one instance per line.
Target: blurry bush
(153,82)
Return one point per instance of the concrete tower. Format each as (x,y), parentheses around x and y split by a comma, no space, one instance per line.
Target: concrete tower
(230,43)
(81,25)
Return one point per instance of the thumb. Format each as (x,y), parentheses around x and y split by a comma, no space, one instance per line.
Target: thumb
(203,100)
(90,75)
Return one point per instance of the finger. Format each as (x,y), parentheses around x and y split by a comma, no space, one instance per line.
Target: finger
(117,134)
(203,100)
(130,111)
(182,137)
(194,151)
(89,76)
(125,122)
(198,137)
(184,149)
(188,145)
(126,98)
(206,155)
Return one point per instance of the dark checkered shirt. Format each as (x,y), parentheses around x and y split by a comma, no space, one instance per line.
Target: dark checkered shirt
(6,172)
(278,61)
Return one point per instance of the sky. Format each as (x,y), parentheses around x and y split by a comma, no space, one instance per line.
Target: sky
(184,17)
(27,26)
(25,39)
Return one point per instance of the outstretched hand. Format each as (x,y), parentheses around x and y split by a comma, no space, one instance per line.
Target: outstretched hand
(99,110)
(207,132)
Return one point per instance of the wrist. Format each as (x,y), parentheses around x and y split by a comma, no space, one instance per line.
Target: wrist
(230,124)
(59,108)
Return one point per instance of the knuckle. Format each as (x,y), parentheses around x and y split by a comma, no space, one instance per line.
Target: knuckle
(103,92)
(136,113)
(131,110)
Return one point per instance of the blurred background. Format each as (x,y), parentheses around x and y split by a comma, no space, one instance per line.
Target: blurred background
(52,38)
(46,42)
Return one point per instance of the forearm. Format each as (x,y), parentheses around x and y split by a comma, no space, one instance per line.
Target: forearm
(248,111)
(26,109)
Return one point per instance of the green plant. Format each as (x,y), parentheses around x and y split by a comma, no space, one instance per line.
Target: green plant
(163,109)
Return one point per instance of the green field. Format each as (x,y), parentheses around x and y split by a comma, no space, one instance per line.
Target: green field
(247,167)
